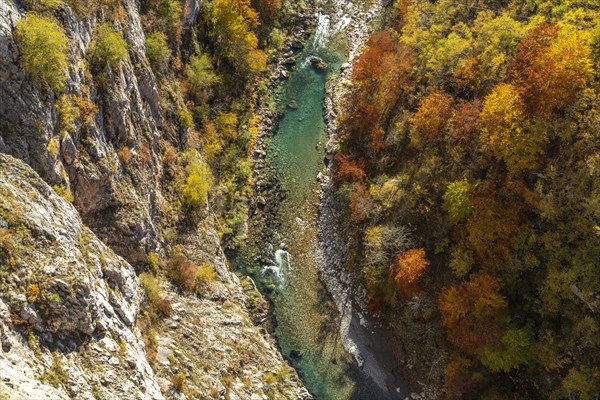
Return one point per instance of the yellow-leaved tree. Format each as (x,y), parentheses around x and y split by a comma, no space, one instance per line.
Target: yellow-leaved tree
(43,51)
(503,121)
(231,23)
(552,65)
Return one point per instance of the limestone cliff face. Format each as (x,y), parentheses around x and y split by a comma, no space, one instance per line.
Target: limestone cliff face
(68,304)
(129,114)
(70,298)
(69,309)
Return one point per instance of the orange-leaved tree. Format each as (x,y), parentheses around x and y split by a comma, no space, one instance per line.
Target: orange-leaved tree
(465,122)
(431,117)
(348,170)
(409,267)
(472,312)
(381,74)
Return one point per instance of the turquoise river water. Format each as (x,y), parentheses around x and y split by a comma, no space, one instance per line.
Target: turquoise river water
(306,319)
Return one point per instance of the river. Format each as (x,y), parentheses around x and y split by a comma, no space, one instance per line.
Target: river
(307,320)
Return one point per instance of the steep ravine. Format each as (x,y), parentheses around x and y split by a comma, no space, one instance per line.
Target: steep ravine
(334,348)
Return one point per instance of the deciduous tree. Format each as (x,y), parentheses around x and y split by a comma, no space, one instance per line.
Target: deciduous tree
(43,51)
(232,22)
(431,117)
(503,121)
(472,312)
(409,267)
(348,170)
(457,201)
(360,203)
(551,66)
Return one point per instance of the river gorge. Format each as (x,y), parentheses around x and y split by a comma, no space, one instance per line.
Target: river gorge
(336,350)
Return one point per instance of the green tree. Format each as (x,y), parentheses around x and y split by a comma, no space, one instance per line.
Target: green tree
(516,351)
(44,51)
(497,39)
(157,50)
(457,201)
(432,116)
(170,12)
(201,77)
(109,47)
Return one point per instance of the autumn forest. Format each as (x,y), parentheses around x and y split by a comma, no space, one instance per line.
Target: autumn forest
(470,164)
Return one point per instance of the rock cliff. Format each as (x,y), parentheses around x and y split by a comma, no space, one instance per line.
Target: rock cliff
(69,314)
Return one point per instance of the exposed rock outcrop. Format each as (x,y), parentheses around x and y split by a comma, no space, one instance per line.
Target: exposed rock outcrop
(86,162)
(69,310)
(68,304)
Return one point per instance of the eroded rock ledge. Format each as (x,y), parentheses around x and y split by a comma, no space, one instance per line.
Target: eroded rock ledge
(70,307)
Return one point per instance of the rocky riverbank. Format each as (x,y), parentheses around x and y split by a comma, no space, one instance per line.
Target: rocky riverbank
(361,334)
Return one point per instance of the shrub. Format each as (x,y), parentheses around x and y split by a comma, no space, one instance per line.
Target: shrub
(44,5)
(157,50)
(109,47)
(44,48)
(169,152)
(32,292)
(188,275)
(178,381)
(7,248)
(158,304)
(124,154)
(87,8)
(270,378)
(53,147)
(198,183)
(153,261)
(68,112)
(186,119)
(182,272)
(64,192)
(145,154)
(56,375)
(205,274)
(86,108)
